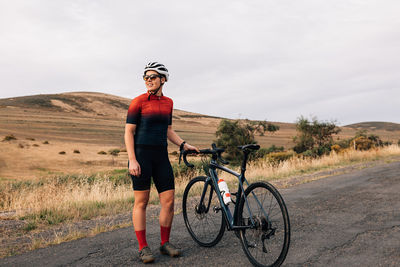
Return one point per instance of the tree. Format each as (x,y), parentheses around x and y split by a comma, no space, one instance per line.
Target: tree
(233,133)
(314,136)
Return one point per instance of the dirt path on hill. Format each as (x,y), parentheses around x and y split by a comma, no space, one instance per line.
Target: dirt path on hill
(351,219)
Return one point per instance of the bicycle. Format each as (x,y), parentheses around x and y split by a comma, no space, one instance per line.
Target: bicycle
(260,218)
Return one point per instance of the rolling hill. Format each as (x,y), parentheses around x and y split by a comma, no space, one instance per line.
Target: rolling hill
(375,125)
(81,124)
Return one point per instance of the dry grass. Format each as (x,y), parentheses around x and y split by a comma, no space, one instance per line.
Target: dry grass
(265,170)
(69,198)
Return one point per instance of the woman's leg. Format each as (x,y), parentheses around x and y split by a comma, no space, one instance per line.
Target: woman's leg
(139,216)
(166,213)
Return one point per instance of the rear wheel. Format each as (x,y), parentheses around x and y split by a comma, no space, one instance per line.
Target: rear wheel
(266,243)
(204,221)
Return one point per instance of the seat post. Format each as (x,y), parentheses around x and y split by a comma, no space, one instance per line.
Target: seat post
(245,157)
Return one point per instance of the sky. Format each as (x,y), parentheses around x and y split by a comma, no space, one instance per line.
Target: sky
(260,59)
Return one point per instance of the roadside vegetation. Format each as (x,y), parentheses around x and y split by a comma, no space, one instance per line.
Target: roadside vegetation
(66,198)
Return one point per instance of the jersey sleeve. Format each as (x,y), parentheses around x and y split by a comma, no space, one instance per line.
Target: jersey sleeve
(170,114)
(133,116)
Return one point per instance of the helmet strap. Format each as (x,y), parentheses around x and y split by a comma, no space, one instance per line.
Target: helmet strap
(154,92)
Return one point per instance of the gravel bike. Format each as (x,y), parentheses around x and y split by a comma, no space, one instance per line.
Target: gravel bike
(260,218)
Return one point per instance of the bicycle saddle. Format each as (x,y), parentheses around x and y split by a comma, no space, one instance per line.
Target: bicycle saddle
(250,146)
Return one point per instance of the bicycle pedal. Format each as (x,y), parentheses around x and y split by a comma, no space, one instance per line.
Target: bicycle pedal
(216,209)
(251,245)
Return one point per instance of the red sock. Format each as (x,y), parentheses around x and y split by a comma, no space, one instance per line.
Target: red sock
(141,237)
(164,234)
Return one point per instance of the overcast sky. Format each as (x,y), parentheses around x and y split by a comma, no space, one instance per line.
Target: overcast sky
(274,60)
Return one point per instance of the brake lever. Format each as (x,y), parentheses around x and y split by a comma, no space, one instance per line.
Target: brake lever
(222,160)
(184,153)
(180,155)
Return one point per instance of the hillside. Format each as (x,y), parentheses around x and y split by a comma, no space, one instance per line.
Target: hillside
(375,125)
(88,123)
(96,118)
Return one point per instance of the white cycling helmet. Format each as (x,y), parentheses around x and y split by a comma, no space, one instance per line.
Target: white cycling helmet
(160,68)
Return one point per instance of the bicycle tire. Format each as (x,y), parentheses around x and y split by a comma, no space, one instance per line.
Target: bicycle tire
(205,227)
(268,243)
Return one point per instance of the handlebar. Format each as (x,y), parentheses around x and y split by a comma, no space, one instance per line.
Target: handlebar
(215,152)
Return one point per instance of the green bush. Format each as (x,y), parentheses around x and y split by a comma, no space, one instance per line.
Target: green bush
(362,143)
(314,135)
(30,226)
(277,157)
(262,152)
(182,171)
(233,133)
(120,177)
(344,143)
(114,152)
(9,137)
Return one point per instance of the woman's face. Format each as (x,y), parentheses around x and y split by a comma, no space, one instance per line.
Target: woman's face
(153,84)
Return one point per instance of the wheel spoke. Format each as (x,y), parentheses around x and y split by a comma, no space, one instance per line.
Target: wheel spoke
(206,228)
(267,243)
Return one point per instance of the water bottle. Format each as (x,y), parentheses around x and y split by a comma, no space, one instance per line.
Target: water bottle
(223,187)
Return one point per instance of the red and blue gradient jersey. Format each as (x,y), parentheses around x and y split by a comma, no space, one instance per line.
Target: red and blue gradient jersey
(152,116)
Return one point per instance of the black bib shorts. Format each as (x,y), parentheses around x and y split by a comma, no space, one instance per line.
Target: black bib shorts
(154,163)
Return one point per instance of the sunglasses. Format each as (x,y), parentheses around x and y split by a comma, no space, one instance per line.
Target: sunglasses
(150,77)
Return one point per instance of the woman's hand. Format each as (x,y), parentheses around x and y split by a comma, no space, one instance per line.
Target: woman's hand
(134,168)
(186,146)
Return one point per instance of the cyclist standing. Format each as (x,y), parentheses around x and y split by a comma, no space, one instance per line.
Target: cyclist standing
(148,126)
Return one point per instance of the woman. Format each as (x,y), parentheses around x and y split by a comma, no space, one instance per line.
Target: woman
(148,126)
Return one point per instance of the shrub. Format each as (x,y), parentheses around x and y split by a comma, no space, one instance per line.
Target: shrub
(344,143)
(186,173)
(46,142)
(314,135)
(30,226)
(35,145)
(387,143)
(77,151)
(31,139)
(20,145)
(102,153)
(277,157)
(231,134)
(114,152)
(62,153)
(120,177)
(262,152)
(362,143)
(9,137)
(337,148)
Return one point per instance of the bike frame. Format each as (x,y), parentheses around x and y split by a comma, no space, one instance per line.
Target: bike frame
(232,220)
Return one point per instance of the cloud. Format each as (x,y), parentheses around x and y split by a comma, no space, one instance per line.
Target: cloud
(260,59)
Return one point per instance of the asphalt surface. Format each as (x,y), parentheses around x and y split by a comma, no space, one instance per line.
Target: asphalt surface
(346,220)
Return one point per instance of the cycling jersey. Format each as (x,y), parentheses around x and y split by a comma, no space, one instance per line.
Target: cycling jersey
(152,114)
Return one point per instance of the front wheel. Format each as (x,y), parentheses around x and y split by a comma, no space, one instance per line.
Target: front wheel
(266,242)
(204,220)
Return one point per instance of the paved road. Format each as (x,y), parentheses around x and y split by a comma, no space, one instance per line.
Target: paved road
(346,220)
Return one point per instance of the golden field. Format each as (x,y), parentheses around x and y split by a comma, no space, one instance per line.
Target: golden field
(94,122)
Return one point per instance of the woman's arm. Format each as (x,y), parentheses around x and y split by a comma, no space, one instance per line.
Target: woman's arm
(134,167)
(174,138)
